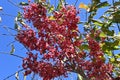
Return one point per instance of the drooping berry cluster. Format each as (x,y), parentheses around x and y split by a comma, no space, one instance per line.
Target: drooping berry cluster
(27,38)
(44,69)
(57,40)
(54,39)
(97,66)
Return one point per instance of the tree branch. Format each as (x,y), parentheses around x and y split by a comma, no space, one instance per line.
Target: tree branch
(14,4)
(12,54)
(75,2)
(81,72)
(12,74)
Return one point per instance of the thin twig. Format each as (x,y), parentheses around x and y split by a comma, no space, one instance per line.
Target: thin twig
(33,76)
(55,4)
(7,30)
(75,2)
(17,56)
(14,4)
(10,43)
(81,72)
(12,74)
(4,14)
(12,29)
(86,16)
(118,26)
(110,75)
(7,35)
(11,54)
(113,2)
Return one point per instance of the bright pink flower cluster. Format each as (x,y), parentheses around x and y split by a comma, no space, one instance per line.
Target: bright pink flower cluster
(57,40)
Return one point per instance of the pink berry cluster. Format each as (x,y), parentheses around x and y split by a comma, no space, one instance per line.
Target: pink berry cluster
(98,67)
(44,69)
(57,41)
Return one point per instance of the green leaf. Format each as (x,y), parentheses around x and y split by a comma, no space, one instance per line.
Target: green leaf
(51,9)
(96,1)
(39,1)
(116,17)
(13,49)
(109,53)
(106,30)
(117,55)
(117,4)
(102,34)
(97,22)
(23,4)
(84,47)
(51,18)
(112,60)
(17,27)
(59,6)
(19,17)
(103,4)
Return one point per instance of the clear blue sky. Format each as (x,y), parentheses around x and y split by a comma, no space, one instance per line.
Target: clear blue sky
(10,64)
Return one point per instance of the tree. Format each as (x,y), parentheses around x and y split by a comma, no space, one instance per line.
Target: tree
(56,46)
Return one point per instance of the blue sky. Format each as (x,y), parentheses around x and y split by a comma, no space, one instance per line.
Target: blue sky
(10,64)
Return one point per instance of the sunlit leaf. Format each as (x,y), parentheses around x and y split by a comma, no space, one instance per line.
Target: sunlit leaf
(23,4)
(13,49)
(102,34)
(109,53)
(102,57)
(117,55)
(97,22)
(51,9)
(19,17)
(51,18)
(83,6)
(112,59)
(59,6)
